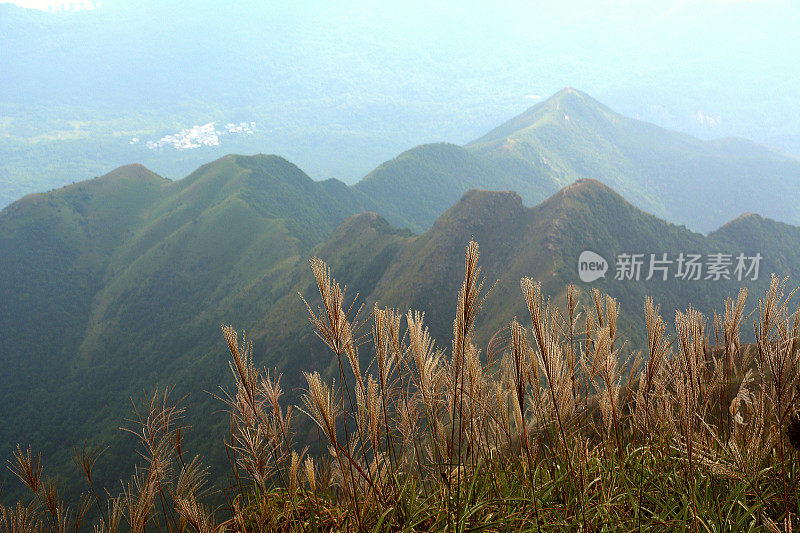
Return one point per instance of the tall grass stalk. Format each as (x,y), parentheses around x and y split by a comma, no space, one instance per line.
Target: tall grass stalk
(557,425)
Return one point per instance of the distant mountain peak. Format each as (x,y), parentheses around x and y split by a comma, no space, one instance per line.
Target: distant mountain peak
(744,220)
(570,93)
(587,184)
(363,226)
(133,173)
(572,100)
(750,216)
(133,170)
(360,222)
(480,210)
(565,106)
(586,190)
(481,198)
(242,159)
(476,204)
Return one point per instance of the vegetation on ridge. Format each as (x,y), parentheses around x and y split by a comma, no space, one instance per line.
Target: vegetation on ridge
(95,313)
(556,425)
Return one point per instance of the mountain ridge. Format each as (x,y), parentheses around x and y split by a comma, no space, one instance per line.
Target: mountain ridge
(571,136)
(683,179)
(210,266)
(114,284)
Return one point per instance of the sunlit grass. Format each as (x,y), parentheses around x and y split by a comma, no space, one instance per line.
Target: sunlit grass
(557,426)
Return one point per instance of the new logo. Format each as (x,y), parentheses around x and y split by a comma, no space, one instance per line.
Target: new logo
(591,266)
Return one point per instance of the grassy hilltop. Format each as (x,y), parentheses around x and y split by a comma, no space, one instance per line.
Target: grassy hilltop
(116,286)
(556,425)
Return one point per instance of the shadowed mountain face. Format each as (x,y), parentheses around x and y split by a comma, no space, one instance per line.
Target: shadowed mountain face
(118,284)
(114,285)
(543,242)
(415,188)
(702,184)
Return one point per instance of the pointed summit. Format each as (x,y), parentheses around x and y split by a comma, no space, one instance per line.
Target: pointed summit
(476,200)
(133,171)
(587,192)
(567,105)
(569,99)
(673,175)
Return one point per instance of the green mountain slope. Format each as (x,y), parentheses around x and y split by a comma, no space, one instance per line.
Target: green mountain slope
(685,180)
(416,187)
(778,241)
(545,242)
(114,285)
(571,136)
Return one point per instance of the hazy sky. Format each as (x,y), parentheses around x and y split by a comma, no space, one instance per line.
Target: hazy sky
(411,71)
(649,54)
(57,5)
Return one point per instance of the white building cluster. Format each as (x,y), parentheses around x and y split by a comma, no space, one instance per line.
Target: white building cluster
(197,136)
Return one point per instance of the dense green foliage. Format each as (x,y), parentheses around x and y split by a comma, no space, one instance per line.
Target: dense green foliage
(129,275)
(559,427)
(117,284)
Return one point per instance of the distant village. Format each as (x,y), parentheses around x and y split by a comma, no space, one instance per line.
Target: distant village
(197,136)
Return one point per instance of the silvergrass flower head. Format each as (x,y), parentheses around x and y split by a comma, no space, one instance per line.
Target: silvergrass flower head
(196,515)
(294,472)
(27,468)
(319,405)
(20,518)
(310,474)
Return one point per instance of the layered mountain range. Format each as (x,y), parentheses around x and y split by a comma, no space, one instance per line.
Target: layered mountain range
(571,136)
(113,286)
